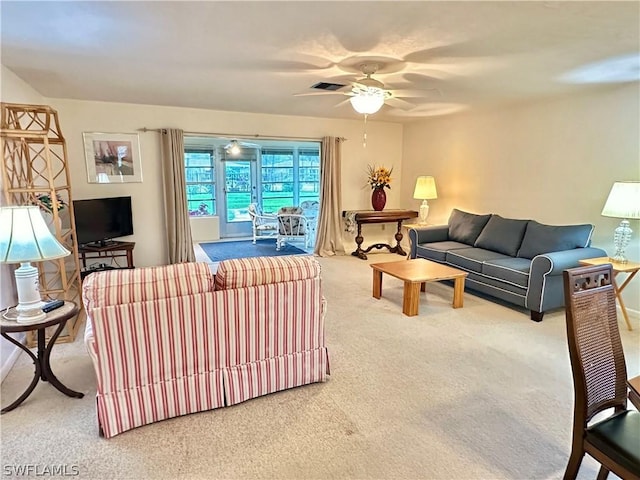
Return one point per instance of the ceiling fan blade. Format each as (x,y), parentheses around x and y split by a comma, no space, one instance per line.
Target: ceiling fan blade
(340,104)
(319,92)
(416,93)
(399,103)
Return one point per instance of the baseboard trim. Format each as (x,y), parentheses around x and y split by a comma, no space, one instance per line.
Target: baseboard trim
(10,359)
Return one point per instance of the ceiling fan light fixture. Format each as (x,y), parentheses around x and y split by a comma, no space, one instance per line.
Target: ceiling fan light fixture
(233,148)
(368,100)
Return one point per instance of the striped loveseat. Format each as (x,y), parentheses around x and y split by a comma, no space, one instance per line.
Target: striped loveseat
(173,340)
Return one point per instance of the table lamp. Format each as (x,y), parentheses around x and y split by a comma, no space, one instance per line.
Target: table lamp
(623,202)
(25,238)
(425,190)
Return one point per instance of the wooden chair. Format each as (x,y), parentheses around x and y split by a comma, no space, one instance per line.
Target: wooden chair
(599,376)
(262,225)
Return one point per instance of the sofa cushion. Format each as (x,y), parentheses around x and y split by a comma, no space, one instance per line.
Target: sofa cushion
(540,238)
(465,227)
(472,258)
(496,288)
(503,235)
(437,250)
(249,272)
(511,270)
(123,286)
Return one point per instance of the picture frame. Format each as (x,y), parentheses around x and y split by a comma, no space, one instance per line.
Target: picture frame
(112,157)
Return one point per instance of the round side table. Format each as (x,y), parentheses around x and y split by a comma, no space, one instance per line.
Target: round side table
(43,372)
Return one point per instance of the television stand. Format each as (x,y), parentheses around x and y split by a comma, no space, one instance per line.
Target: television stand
(112,250)
(101,244)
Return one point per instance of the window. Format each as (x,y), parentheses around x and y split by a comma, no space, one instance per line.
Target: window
(289,177)
(309,175)
(277,179)
(200,179)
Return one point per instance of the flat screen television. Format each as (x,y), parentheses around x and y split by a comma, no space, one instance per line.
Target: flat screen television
(100,220)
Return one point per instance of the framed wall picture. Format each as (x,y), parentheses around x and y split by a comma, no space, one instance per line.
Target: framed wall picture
(112,157)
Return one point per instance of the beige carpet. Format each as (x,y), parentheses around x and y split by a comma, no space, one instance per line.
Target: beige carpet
(477,392)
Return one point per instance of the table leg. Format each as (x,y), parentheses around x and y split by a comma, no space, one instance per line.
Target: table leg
(398,249)
(377,284)
(359,239)
(458,292)
(47,374)
(618,291)
(411,298)
(423,287)
(36,375)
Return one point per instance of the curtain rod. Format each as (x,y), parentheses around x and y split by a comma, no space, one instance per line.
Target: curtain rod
(229,135)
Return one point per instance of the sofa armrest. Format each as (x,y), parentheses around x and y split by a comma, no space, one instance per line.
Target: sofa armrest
(554,263)
(545,279)
(433,233)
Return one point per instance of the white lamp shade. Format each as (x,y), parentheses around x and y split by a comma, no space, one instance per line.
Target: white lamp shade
(369,101)
(25,237)
(425,188)
(623,201)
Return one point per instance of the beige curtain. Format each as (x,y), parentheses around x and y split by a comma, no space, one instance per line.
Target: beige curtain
(175,197)
(329,230)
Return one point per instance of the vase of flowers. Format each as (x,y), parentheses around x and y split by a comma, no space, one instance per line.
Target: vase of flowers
(379,179)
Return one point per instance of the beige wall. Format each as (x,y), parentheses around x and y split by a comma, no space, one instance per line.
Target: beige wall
(384,145)
(552,161)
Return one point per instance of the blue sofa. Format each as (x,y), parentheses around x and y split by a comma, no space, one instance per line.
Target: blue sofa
(518,261)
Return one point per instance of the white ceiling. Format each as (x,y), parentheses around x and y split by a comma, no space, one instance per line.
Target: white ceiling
(255,56)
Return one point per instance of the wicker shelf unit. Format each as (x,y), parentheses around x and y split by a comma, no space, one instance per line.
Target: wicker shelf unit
(35,171)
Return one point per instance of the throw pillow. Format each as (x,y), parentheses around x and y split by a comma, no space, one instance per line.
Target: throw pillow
(502,235)
(540,238)
(465,227)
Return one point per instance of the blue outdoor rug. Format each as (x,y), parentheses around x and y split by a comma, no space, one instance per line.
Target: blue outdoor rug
(218,251)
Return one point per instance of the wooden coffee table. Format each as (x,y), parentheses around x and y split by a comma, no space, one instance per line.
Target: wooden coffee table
(415,273)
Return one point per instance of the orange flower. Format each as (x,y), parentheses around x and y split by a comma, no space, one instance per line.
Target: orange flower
(379,177)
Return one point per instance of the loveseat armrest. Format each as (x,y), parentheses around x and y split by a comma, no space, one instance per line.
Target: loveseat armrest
(545,290)
(433,233)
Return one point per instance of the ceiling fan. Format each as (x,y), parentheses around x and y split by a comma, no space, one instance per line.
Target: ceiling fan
(367,95)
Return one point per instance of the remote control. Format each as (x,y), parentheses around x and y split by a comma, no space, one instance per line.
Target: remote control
(52,305)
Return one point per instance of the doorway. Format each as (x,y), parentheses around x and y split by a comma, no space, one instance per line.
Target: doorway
(239,189)
(273,173)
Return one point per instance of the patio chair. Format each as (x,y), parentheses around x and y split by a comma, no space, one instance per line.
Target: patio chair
(599,376)
(262,224)
(310,211)
(292,226)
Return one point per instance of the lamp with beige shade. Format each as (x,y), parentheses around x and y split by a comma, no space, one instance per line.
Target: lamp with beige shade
(425,190)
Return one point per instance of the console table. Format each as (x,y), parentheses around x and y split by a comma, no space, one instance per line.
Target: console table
(111,250)
(361,217)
